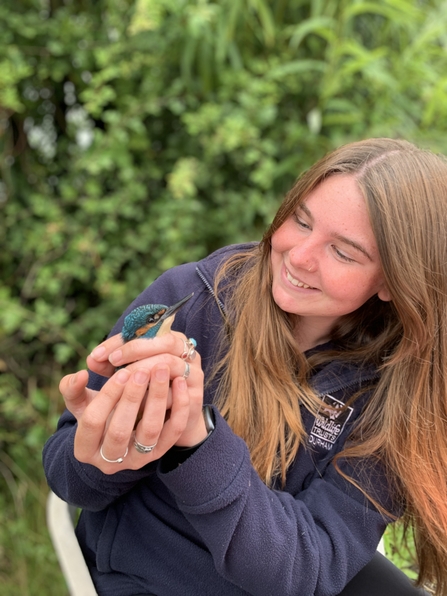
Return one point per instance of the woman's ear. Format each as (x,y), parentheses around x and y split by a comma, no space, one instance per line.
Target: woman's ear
(384,294)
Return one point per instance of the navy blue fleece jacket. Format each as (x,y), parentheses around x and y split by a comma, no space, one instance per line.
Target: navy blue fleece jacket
(210,527)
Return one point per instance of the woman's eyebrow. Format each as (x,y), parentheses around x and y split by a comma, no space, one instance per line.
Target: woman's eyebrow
(354,244)
(306,210)
(340,237)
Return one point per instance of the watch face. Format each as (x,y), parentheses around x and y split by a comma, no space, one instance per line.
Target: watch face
(208,416)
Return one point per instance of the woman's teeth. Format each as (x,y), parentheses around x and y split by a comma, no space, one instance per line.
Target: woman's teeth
(295,282)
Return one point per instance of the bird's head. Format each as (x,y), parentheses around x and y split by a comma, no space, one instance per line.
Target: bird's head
(150,320)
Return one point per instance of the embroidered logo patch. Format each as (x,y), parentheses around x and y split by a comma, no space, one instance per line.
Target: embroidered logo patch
(329,423)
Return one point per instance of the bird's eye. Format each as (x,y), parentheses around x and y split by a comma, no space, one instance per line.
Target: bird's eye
(156,317)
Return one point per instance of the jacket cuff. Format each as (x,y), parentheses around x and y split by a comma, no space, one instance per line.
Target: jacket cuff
(177,455)
(219,464)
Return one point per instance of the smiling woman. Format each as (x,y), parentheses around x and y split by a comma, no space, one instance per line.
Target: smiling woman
(325,262)
(320,359)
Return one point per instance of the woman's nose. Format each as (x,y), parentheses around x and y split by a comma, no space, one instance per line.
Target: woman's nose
(304,255)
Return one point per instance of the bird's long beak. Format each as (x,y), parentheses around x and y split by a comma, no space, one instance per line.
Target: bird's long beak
(169,315)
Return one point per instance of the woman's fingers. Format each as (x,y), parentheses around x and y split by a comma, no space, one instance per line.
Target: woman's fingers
(177,367)
(106,437)
(153,415)
(95,419)
(113,353)
(177,419)
(144,408)
(151,427)
(120,428)
(98,360)
(138,349)
(75,393)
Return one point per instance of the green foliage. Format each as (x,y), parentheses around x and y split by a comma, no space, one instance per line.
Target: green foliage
(28,563)
(399,547)
(139,134)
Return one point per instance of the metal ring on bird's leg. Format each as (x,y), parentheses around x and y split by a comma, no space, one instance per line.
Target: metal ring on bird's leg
(189,352)
(143,448)
(187,371)
(113,461)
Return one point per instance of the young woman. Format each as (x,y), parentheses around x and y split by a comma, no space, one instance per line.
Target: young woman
(322,351)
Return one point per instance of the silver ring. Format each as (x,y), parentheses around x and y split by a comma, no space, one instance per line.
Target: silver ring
(187,371)
(113,461)
(189,352)
(143,448)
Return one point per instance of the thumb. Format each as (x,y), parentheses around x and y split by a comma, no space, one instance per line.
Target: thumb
(75,393)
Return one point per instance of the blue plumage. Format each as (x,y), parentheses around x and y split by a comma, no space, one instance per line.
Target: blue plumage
(150,320)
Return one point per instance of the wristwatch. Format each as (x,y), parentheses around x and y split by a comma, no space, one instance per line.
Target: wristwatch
(208,416)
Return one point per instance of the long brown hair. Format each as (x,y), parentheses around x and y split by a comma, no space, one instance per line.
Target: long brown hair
(264,376)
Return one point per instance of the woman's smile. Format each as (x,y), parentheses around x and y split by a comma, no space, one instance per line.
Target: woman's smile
(296,282)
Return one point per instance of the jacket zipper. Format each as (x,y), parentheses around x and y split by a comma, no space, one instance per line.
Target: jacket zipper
(210,289)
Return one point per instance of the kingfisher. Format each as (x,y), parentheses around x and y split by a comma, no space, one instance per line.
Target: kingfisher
(150,320)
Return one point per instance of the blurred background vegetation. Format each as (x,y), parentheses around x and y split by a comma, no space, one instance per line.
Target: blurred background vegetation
(139,134)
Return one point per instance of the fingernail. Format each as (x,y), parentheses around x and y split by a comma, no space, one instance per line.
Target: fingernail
(73,378)
(122,376)
(161,374)
(115,357)
(141,377)
(98,352)
(181,383)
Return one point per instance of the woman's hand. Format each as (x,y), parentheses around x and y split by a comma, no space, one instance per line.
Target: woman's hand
(171,409)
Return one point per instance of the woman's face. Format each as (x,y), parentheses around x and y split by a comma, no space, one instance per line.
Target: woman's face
(325,260)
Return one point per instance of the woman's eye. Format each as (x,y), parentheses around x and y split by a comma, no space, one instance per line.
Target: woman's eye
(301,223)
(342,256)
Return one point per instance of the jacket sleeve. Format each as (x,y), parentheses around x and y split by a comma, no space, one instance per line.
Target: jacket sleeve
(85,485)
(268,541)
